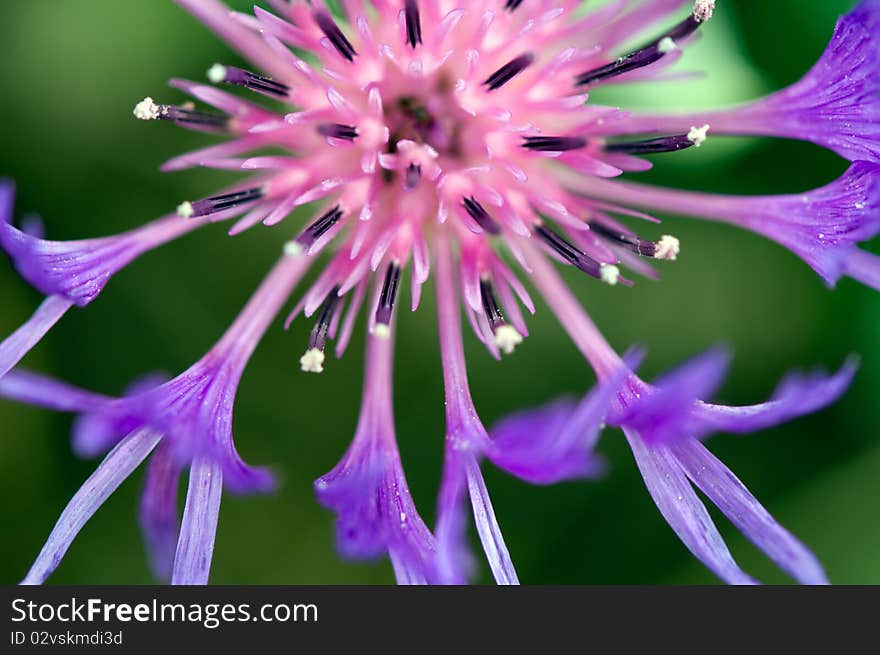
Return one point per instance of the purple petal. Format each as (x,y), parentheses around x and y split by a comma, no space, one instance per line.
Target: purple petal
(367,489)
(556,442)
(528,445)
(664,413)
(375,513)
(796,395)
(682,509)
(79,270)
(7,199)
(194,410)
(351,491)
(455,562)
(111,472)
(730,496)
(158,516)
(20,342)
(487,526)
(822,226)
(195,548)
(411,546)
(864,267)
(33,226)
(837,103)
(43,391)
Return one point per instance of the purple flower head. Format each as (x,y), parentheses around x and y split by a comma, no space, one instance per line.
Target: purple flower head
(367,489)
(424,138)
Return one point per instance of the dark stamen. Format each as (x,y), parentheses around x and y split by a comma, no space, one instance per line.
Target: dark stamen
(320,227)
(413,22)
(506,336)
(650,146)
(652,52)
(490,306)
(331,30)
(387,298)
(512,5)
(510,70)
(570,253)
(148,110)
(252,81)
(476,211)
(413,175)
(313,359)
(318,337)
(553,143)
(338,131)
(628,241)
(219,203)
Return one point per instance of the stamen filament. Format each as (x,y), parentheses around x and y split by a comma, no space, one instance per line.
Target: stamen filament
(413,22)
(506,336)
(608,273)
(695,137)
(387,298)
(315,231)
(219,73)
(652,52)
(331,30)
(553,143)
(219,203)
(510,70)
(312,360)
(476,211)
(338,131)
(148,110)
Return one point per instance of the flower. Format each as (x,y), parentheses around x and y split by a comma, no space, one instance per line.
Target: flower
(428,138)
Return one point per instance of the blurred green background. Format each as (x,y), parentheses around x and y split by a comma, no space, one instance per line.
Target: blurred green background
(72,71)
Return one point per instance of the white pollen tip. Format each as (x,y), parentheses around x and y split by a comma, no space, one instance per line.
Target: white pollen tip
(146,110)
(381,331)
(185,209)
(507,339)
(312,361)
(609,274)
(703,10)
(292,249)
(667,248)
(666,45)
(698,135)
(217,74)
